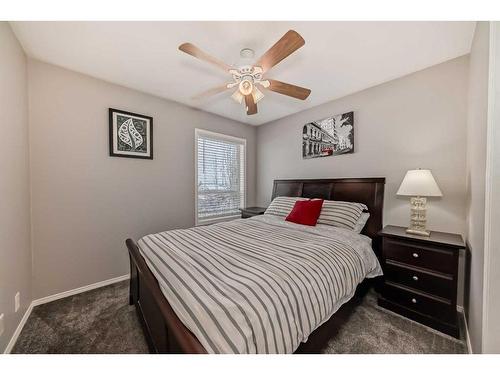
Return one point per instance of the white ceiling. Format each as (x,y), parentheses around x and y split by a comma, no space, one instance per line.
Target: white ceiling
(339,58)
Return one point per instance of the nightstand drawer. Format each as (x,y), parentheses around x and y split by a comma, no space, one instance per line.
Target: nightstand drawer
(248,212)
(441,285)
(435,307)
(418,255)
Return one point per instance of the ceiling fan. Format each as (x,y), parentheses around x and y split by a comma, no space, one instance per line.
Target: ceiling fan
(246,78)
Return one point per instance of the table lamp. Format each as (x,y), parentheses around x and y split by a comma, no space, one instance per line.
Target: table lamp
(419,184)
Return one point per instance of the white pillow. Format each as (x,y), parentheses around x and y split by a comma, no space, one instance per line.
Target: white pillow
(361,222)
(341,214)
(282,206)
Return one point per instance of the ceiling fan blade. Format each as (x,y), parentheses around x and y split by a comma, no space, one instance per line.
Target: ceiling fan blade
(288,89)
(194,51)
(212,91)
(289,43)
(251,106)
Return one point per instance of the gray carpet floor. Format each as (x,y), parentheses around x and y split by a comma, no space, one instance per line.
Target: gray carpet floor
(101,321)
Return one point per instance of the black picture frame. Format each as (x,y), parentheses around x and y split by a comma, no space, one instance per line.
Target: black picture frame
(331,136)
(125,147)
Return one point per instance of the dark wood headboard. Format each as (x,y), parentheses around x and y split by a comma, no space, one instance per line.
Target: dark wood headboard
(369,191)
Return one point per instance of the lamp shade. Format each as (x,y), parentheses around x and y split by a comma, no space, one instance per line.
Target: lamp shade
(419,182)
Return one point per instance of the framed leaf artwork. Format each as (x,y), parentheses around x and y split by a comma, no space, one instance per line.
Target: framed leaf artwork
(130,135)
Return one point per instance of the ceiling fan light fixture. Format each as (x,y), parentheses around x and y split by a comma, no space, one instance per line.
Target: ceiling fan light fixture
(246,87)
(237,97)
(265,83)
(257,94)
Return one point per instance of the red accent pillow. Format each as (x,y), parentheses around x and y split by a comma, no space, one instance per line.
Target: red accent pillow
(305,212)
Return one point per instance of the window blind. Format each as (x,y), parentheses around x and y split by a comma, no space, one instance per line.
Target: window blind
(220,169)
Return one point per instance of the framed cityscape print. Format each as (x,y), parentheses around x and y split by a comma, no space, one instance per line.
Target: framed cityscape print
(130,135)
(330,136)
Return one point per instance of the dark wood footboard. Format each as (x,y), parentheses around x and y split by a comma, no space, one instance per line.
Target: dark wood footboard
(164,331)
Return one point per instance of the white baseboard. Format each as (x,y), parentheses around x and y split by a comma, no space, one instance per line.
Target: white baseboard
(82,289)
(460,309)
(55,297)
(18,330)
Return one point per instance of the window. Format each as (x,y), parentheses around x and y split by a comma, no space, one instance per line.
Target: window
(220,176)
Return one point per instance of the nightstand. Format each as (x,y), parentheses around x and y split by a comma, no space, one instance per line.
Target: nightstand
(420,277)
(251,211)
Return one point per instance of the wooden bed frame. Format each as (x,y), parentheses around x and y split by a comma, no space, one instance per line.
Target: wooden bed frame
(165,333)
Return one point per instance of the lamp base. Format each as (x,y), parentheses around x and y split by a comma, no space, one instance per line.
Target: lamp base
(418,217)
(424,233)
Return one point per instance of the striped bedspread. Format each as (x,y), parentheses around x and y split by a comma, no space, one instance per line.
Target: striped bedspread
(258,285)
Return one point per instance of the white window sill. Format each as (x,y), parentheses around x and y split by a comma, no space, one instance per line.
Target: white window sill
(216,220)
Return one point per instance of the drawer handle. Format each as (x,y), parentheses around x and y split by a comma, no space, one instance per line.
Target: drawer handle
(415,255)
(415,278)
(413,300)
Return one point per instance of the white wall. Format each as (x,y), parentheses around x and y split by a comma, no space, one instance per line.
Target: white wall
(85,203)
(411,122)
(15,252)
(491,308)
(476,169)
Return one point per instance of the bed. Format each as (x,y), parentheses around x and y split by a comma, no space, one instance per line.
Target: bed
(258,285)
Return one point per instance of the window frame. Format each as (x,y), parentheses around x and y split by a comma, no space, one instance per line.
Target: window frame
(202,132)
